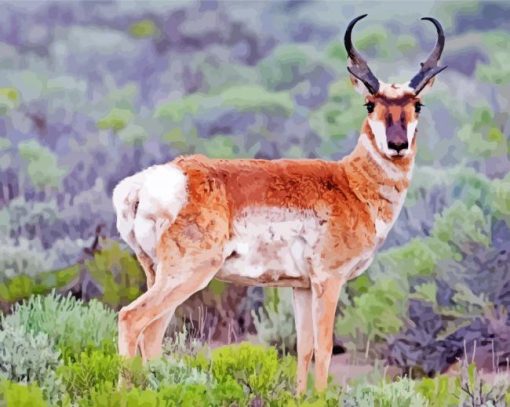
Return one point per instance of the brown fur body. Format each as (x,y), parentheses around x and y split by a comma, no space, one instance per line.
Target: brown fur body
(196,219)
(307,224)
(346,198)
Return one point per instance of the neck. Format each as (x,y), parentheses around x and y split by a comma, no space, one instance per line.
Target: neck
(377,180)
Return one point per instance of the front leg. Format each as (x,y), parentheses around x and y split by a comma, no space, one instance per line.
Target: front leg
(324,301)
(304,333)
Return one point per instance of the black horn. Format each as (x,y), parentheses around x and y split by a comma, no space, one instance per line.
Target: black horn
(429,68)
(358,67)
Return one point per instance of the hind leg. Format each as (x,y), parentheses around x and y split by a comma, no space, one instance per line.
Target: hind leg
(174,284)
(188,246)
(153,335)
(147,266)
(189,254)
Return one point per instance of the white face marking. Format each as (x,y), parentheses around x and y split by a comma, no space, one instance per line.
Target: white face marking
(379,130)
(394,90)
(411,131)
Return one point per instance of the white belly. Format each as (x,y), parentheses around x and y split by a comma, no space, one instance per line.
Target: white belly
(271,246)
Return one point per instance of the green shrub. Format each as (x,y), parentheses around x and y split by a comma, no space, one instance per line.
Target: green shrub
(253,366)
(483,135)
(116,119)
(41,164)
(21,395)
(23,286)
(29,358)
(181,344)
(91,370)
(500,197)
(118,273)
(166,372)
(71,324)
(440,391)
(143,29)
(374,315)
(9,99)
(289,64)
(109,396)
(336,119)
(172,396)
(401,393)
(133,135)
(243,98)
(275,322)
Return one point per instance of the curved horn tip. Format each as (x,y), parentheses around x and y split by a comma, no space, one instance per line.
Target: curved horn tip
(434,21)
(355,20)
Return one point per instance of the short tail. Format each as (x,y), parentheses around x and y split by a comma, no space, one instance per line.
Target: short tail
(147,203)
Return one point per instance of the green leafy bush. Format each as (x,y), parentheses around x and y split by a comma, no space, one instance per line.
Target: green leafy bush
(243,98)
(401,393)
(21,395)
(289,64)
(440,391)
(118,273)
(338,118)
(73,325)
(483,135)
(143,29)
(178,395)
(23,286)
(275,321)
(41,164)
(29,358)
(166,372)
(375,314)
(133,135)
(254,366)
(91,370)
(9,99)
(182,344)
(116,119)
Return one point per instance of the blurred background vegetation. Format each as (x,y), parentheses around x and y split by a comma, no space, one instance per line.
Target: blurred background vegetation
(91,92)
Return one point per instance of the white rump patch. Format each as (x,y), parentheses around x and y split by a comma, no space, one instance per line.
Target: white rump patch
(125,198)
(164,191)
(146,203)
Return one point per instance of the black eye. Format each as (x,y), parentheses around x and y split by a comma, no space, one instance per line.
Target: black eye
(370,106)
(417,107)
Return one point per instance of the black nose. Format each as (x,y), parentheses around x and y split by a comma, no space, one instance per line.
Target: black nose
(397,146)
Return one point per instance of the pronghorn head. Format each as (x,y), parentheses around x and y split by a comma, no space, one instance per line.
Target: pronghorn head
(393,109)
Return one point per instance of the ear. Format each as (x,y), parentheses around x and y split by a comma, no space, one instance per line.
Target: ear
(359,86)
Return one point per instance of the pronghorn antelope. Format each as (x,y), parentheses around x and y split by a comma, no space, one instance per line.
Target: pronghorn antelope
(307,224)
